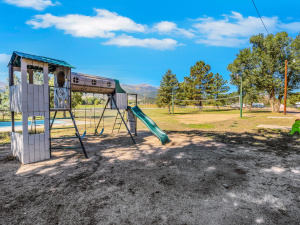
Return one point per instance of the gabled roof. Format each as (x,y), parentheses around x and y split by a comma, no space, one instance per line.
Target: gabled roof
(56,62)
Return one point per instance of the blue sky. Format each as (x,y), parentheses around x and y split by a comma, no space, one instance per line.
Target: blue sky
(137,41)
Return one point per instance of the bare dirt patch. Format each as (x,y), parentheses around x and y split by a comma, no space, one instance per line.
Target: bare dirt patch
(207,118)
(199,178)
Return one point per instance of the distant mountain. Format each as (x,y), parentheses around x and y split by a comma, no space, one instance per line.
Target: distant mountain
(141,89)
(2,86)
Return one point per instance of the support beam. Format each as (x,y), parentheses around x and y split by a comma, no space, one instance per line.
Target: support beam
(114,101)
(11,83)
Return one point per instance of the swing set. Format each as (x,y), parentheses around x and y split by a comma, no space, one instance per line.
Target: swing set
(119,119)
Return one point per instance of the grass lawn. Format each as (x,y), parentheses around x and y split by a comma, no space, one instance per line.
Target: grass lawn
(184,119)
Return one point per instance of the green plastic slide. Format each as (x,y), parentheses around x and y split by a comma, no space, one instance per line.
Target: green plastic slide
(162,136)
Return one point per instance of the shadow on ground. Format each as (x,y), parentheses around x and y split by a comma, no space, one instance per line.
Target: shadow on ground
(200,177)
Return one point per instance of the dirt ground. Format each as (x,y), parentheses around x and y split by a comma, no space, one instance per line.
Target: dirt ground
(186,119)
(201,177)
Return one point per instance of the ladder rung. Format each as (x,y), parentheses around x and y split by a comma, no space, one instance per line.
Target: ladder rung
(62,118)
(64,138)
(55,128)
(66,148)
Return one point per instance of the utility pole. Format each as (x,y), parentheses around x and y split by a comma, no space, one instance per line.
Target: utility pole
(241,98)
(285,87)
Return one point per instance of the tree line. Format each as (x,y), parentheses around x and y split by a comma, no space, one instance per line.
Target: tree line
(260,68)
(200,85)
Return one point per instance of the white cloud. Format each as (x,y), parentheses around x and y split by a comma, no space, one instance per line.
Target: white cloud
(128,41)
(103,25)
(35,4)
(232,31)
(166,27)
(4,58)
(290,27)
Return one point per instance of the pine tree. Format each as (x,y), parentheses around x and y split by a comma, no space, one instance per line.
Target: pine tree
(220,88)
(200,83)
(164,97)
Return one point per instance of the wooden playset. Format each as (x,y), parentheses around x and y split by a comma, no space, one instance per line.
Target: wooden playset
(32,100)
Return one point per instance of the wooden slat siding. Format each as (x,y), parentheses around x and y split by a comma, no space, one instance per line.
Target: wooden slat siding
(41,98)
(10,82)
(47,145)
(37,156)
(46,87)
(18,98)
(31,147)
(30,98)
(19,146)
(12,143)
(24,85)
(42,146)
(36,97)
(11,96)
(16,144)
(25,138)
(69,102)
(47,134)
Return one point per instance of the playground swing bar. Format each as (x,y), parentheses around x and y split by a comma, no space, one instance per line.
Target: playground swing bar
(113,102)
(96,133)
(84,133)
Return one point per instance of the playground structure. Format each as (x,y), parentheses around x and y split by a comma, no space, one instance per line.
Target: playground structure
(296,127)
(34,100)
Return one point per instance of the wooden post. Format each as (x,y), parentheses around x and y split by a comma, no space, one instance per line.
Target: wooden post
(90,117)
(11,83)
(285,87)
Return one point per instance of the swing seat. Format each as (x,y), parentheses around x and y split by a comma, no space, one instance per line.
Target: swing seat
(96,133)
(83,134)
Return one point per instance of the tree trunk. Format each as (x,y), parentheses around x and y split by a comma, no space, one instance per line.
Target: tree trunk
(250,107)
(200,106)
(271,100)
(275,104)
(169,108)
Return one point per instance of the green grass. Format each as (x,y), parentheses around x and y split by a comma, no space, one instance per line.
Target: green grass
(168,122)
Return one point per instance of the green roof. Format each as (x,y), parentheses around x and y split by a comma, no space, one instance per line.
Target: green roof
(15,58)
(118,87)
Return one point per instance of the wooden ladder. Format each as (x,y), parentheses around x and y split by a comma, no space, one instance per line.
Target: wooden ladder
(118,122)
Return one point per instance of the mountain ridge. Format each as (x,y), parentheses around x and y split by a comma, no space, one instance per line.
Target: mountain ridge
(141,89)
